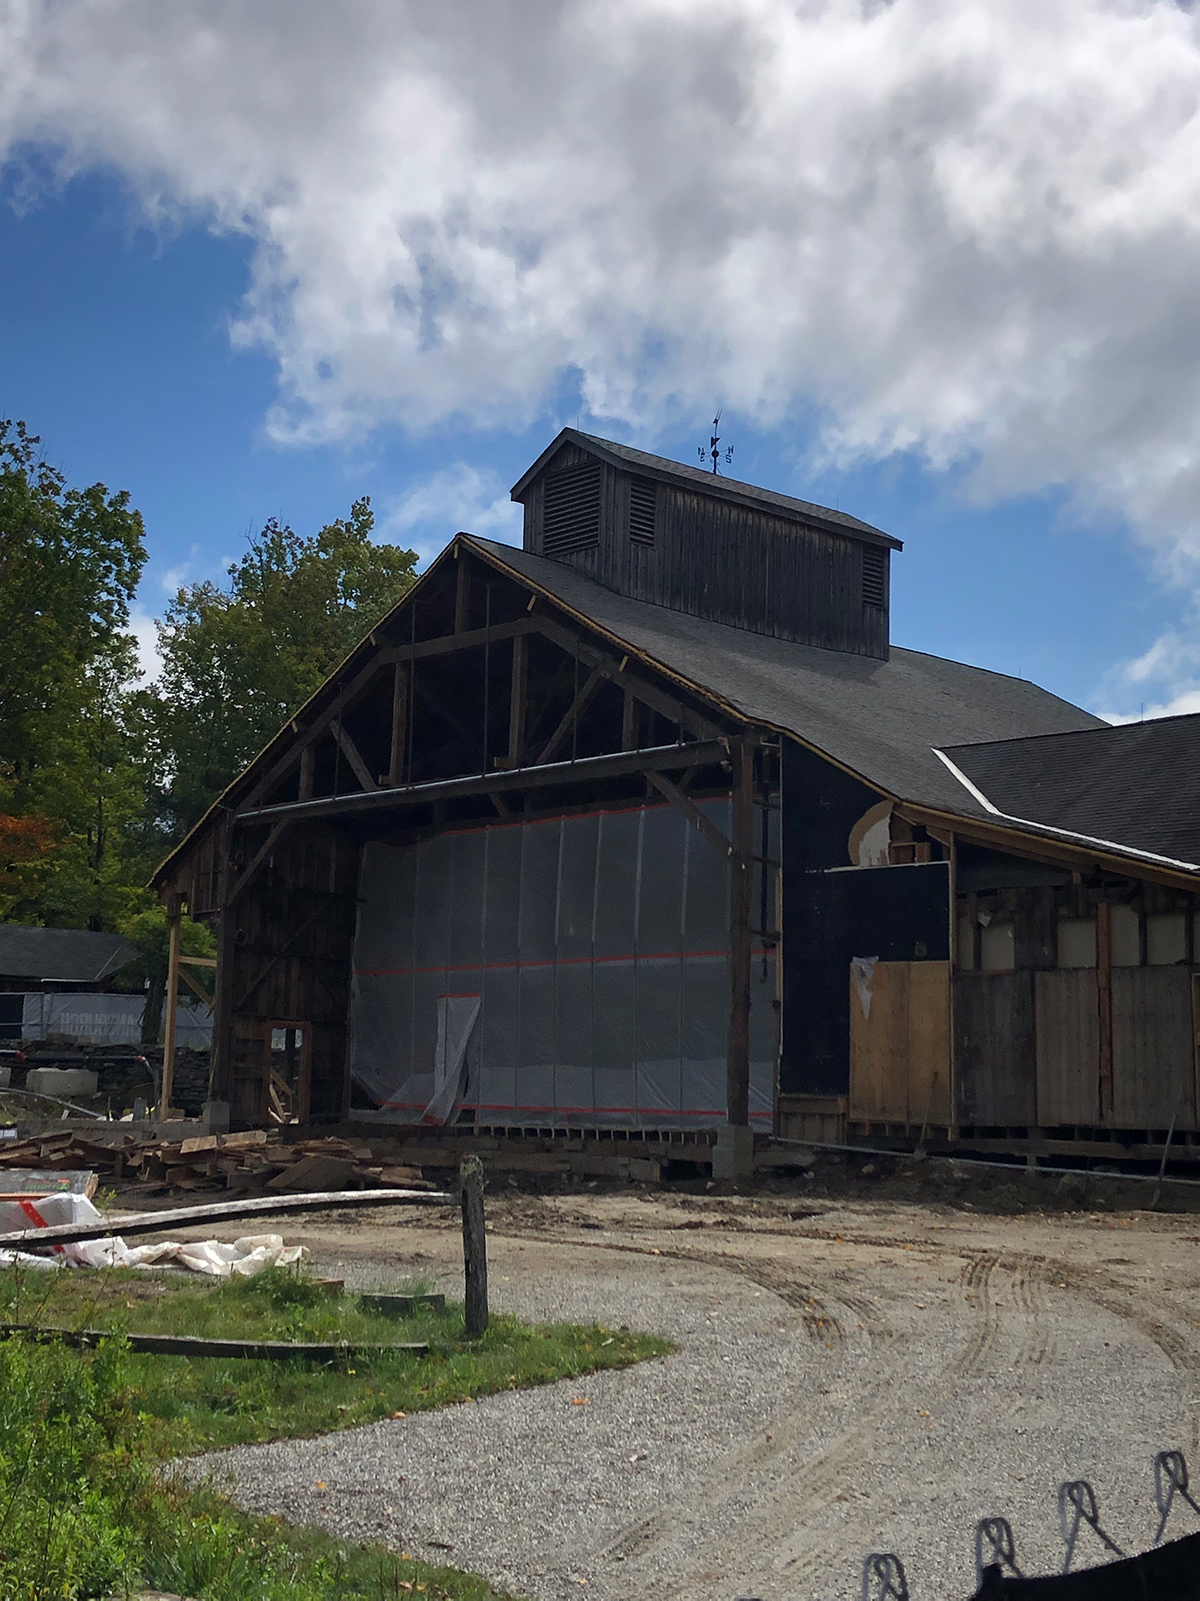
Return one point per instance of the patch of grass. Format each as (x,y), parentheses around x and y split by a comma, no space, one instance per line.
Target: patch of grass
(203,1403)
(83,1513)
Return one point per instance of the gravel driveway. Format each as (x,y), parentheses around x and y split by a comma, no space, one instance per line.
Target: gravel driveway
(875,1377)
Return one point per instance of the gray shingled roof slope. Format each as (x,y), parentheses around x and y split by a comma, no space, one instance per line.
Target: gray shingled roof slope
(1137,784)
(71,955)
(709,483)
(879,718)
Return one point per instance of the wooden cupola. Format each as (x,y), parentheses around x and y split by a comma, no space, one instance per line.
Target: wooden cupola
(697,542)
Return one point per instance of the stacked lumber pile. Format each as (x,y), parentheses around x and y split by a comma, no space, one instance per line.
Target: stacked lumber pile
(255,1162)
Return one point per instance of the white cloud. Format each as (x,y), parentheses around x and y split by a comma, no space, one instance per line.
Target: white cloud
(141,626)
(964,228)
(1162,682)
(458,499)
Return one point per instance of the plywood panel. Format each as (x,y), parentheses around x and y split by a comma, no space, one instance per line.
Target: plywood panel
(879,1045)
(995,1058)
(1067,1015)
(1153,1048)
(900,1044)
(929,1042)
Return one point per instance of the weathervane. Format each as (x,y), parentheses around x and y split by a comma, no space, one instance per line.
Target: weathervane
(714,446)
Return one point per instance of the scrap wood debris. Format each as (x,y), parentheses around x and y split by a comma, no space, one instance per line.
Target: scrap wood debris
(256,1161)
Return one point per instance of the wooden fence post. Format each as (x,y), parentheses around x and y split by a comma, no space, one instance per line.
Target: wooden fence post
(474,1247)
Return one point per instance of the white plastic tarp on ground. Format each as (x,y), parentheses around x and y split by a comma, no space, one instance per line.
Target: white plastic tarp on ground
(243,1257)
(583,960)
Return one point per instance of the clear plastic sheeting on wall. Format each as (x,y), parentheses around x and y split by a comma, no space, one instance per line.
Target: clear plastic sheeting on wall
(597,947)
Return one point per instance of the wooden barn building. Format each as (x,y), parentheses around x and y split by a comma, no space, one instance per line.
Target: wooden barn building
(646,831)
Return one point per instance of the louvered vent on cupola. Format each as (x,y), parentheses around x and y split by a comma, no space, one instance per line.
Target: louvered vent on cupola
(571,512)
(874,576)
(643,493)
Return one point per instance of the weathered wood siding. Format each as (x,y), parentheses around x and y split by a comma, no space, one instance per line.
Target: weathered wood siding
(1067,1012)
(729,562)
(285,958)
(995,1060)
(1154,1068)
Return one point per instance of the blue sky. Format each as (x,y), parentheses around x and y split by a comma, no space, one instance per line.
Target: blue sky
(935,260)
(116,349)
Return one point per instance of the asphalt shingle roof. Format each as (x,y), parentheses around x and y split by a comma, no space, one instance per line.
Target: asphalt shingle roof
(1137,784)
(881,719)
(70,955)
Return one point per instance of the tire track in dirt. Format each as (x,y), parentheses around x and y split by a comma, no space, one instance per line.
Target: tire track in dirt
(654,1558)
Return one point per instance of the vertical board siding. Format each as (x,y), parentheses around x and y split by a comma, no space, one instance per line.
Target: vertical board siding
(1067,1013)
(900,1044)
(879,1046)
(1154,1075)
(728,562)
(929,1042)
(290,962)
(996,1053)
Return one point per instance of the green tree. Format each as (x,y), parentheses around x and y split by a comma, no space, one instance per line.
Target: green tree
(70,560)
(238,661)
(150,933)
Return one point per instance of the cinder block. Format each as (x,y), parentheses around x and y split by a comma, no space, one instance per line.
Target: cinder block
(65,1082)
(733,1154)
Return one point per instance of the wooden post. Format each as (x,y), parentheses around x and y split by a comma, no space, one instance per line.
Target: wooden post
(175,925)
(474,1247)
(462,594)
(1104,989)
(517,699)
(737,1069)
(395,775)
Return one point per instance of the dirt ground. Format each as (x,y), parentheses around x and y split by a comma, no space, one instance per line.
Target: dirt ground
(870,1358)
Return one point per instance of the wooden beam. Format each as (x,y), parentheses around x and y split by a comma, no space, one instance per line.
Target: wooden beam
(737,1060)
(585,692)
(199,961)
(222,1212)
(195,1345)
(349,693)
(308,768)
(658,700)
(1104,1002)
(1079,855)
(499,803)
(692,812)
(629,736)
(669,758)
(518,702)
(462,592)
(350,751)
(395,773)
(196,988)
(175,925)
(256,861)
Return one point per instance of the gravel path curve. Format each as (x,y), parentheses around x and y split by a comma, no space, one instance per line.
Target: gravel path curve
(859,1381)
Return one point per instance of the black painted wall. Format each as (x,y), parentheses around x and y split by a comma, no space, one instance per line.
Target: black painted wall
(898,914)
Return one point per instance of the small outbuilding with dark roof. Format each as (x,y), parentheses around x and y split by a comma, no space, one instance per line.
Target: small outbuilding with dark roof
(647,830)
